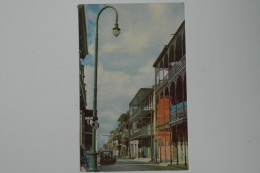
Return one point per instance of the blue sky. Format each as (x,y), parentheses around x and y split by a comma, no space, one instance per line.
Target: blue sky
(125,62)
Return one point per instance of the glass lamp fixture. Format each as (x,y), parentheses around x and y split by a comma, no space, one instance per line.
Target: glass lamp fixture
(116,30)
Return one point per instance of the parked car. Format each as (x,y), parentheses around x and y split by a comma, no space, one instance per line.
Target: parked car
(107,157)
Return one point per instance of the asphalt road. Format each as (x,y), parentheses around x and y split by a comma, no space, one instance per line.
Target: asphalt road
(133,165)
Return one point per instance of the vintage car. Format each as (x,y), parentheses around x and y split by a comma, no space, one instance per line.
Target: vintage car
(107,157)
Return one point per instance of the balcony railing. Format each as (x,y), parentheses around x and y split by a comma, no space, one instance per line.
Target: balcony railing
(177,67)
(125,134)
(178,113)
(140,112)
(135,133)
(140,132)
(162,82)
(82,89)
(146,131)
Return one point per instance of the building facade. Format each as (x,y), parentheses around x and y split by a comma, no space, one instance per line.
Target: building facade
(85,115)
(141,124)
(124,132)
(171,101)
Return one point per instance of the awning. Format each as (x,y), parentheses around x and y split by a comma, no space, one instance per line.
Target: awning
(140,96)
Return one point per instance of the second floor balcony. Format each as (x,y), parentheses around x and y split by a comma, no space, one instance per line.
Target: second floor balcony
(142,103)
(141,113)
(177,68)
(162,82)
(142,132)
(125,134)
(178,113)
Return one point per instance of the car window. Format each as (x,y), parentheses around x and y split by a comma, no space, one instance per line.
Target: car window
(107,152)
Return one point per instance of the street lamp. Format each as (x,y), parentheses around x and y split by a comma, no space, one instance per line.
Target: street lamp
(93,153)
(116,30)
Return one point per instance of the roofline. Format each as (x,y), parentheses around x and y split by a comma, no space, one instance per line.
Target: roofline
(160,56)
(166,46)
(138,93)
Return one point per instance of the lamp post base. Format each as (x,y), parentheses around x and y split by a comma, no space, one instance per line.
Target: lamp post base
(93,162)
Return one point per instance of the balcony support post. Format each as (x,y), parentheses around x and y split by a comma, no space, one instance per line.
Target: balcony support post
(160,144)
(175,98)
(183,99)
(165,146)
(185,140)
(151,128)
(171,144)
(177,145)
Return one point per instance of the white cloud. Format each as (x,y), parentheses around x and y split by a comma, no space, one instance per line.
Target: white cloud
(90,15)
(91,49)
(111,85)
(148,68)
(131,41)
(157,10)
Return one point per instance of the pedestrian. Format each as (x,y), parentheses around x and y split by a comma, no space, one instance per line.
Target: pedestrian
(87,152)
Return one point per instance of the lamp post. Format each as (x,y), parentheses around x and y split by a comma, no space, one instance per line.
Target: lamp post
(93,153)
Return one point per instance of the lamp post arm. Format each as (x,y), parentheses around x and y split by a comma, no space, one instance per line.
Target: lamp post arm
(93,153)
(96,60)
(103,10)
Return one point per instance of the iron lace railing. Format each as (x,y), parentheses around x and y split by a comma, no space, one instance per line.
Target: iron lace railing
(135,133)
(142,132)
(162,82)
(138,112)
(177,67)
(82,89)
(178,112)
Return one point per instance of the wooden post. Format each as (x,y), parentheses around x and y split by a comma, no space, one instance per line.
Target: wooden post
(165,147)
(160,151)
(185,139)
(177,145)
(171,144)
(151,136)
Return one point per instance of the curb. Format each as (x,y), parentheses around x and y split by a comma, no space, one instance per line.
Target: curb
(154,162)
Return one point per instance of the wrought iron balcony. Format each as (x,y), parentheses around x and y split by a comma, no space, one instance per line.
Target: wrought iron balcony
(140,132)
(82,89)
(135,133)
(125,134)
(146,131)
(123,125)
(140,113)
(162,82)
(178,113)
(177,67)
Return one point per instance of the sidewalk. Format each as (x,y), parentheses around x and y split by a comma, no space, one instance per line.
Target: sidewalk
(174,163)
(143,159)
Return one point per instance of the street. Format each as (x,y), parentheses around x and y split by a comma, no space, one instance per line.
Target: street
(135,165)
